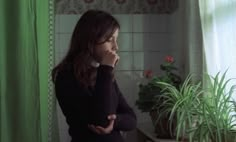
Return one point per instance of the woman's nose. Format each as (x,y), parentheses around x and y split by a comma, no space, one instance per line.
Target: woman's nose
(115,46)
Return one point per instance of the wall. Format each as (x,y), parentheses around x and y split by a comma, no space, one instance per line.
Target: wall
(144,41)
(116,6)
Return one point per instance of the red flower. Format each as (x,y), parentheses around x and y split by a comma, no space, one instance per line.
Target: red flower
(169,59)
(148,73)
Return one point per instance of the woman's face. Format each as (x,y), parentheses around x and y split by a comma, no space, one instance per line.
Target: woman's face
(109,45)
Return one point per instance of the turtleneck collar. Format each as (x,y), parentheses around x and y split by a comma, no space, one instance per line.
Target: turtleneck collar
(95,64)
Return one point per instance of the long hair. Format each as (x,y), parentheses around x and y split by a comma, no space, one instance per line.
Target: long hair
(93,28)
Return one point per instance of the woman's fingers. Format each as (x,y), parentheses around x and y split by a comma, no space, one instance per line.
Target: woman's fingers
(110,58)
(101,130)
(117,60)
(106,130)
(94,129)
(112,117)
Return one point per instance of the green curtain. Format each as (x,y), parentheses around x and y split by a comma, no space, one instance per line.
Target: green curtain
(24,45)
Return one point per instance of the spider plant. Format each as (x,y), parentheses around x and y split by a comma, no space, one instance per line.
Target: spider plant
(217,120)
(181,104)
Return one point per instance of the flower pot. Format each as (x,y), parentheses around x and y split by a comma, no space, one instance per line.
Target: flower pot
(230,137)
(162,127)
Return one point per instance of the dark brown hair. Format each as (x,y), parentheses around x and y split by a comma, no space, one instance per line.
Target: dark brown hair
(94,27)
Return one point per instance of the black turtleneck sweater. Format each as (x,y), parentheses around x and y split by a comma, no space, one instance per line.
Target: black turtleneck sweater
(82,107)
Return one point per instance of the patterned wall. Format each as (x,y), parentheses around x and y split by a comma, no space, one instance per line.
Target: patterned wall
(117,6)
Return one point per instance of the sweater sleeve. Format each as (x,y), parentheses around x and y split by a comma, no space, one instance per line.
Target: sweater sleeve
(126,118)
(101,102)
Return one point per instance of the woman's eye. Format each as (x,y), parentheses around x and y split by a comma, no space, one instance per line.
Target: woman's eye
(110,39)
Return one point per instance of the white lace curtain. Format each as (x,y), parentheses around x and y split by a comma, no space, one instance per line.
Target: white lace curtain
(218,20)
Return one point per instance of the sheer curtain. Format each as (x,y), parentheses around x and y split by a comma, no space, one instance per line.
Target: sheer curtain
(192,38)
(218,20)
(25,29)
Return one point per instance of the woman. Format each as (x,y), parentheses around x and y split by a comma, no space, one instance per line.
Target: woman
(85,86)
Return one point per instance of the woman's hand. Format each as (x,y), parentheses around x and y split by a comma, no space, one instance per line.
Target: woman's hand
(101,130)
(110,58)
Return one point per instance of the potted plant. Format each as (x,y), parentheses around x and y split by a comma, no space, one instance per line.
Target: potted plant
(201,114)
(217,112)
(149,92)
(180,105)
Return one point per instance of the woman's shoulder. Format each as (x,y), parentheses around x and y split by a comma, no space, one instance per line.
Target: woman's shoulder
(65,73)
